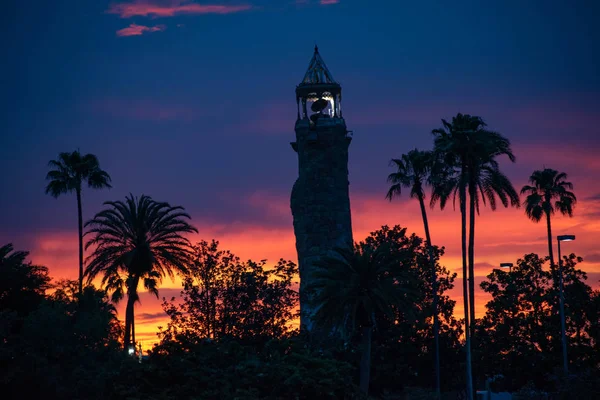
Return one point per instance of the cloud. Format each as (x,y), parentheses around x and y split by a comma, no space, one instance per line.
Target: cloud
(593,279)
(484,267)
(171,8)
(271,204)
(321,2)
(138,30)
(144,110)
(557,119)
(280,114)
(592,258)
(159,316)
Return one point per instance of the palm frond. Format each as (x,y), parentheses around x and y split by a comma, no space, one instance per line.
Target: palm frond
(70,170)
(138,240)
(548,193)
(353,284)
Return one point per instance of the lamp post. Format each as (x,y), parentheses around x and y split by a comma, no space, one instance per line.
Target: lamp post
(507,265)
(563,238)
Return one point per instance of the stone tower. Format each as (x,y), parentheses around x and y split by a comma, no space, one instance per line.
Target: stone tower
(320,201)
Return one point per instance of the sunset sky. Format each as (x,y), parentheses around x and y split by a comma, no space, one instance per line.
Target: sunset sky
(192,102)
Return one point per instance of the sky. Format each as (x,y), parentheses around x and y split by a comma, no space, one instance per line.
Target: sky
(192,102)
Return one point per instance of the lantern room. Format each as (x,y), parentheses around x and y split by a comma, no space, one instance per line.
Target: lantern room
(318,96)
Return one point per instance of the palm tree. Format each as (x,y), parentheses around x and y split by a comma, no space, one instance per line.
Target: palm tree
(137,241)
(471,149)
(69,172)
(547,186)
(415,170)
(352,285)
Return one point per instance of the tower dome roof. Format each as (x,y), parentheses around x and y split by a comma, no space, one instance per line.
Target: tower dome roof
(317,73)
(317,80)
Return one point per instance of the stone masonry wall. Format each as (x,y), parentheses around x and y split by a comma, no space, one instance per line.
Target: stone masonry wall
(320,200)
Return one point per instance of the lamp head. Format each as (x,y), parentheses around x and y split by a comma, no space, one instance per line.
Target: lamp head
(131,350)
(506,265)
(566,238)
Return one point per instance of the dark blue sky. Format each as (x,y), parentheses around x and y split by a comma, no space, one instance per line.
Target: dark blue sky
(201,111)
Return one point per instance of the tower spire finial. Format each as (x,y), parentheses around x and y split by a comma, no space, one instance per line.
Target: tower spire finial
(317,72)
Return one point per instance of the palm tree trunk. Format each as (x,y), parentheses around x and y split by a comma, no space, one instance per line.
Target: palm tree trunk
(550,252)
(472,197)
(80,227)
(126,337)
(132,284)
(128,321)
(436,329)
(133,326)
(463,216)
(365,361)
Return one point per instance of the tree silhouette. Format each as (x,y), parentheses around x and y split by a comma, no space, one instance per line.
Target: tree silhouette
(513,336)
(415,170)
(137,241)
(69,172)
(95,317)
(520,332)
(22,284)
(548,186)
(352,285)
(471,149)
(404,345)
(225,298)
(467,143)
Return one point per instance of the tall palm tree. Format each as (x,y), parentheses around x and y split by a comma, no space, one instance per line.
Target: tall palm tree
(548,186)
(69,172)
(414,171)
(352,285)
(137,241)
(471,149)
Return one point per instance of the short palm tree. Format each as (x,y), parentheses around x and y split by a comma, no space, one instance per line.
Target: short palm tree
(415,170)
(471,149)
(68,174)
(548,186)
(137,241)
(352,285)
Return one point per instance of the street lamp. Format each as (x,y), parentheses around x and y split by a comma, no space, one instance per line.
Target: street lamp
(563,238)
(507,265)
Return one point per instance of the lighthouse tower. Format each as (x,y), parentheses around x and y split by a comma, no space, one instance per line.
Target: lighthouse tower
(320,200)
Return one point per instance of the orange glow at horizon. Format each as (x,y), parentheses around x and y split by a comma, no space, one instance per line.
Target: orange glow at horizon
(501,236)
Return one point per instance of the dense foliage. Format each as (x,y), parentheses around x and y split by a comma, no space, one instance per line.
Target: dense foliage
(520,332)
(404,344)
(231,335)
(53,346)
(227,369)
(225,298)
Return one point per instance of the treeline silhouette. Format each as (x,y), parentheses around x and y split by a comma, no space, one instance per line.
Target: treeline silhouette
(384,325)
(232,334)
